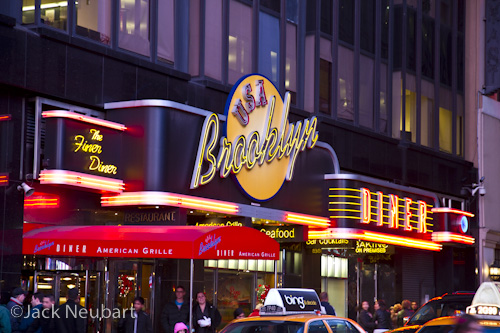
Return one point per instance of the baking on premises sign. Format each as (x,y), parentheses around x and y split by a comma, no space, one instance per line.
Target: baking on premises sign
(259,146)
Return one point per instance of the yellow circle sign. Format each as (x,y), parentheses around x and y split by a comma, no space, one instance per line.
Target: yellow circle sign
(259,146)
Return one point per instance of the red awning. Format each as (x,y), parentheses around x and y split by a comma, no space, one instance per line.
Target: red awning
(182,242)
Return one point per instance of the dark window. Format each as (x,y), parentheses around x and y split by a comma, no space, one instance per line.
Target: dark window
(461,15)
(368,25)
(460,62)
(326,17)
(427,46)
(445,11)
(397,50)
(311,16)
(317,326)
(346,21)
(445,56)
(271,4)
(292,11)
(325,84)
(410,39)
(385,29)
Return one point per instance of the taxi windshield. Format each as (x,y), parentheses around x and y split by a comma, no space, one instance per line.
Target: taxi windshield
(267,326)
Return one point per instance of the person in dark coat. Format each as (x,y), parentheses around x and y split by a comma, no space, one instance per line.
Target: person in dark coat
(136,321)
(71,316)
(4,318)
(46,321)
(35,312)
(176,311)
(382,317)
(323,297)
(366,317)
(16,308)
(206,317)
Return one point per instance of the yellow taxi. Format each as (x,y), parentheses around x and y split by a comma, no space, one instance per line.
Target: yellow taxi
(292,311)
(485,308)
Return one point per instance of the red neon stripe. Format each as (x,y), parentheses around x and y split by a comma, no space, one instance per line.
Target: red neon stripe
(72,178)
(86,119)
(4,117)
(451,210)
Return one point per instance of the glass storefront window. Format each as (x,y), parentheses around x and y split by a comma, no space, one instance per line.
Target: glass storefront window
(240,41)
(166,29)
(94,20)
(269,41)
(134,26)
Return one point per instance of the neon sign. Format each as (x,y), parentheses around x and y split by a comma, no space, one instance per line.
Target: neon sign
(92,146)
(395,208)
(260,146)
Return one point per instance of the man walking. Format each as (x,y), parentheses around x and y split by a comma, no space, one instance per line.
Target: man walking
(45,322)
(176,311)
(136,321)
(35,312)
(16,309)
(71,316)
(323,297)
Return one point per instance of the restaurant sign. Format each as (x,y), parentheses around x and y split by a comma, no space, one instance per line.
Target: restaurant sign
(258,144)
(285,234)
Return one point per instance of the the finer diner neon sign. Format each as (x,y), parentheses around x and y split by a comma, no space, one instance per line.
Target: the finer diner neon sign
(93,147)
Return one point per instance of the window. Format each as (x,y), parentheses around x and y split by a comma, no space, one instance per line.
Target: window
(340,326)
(28,11)
(346,21)
(166,29)
(213,39)
(366,91)
(385,29)
(345,107)
(291,61)
(367,33)
(325,84)
(317,326)
(383,98)
(269,41)
(240,41)
(426,114)
(445,120)
(54,13)
(445,55)
(408,128)
(134,26)
(411,38)
(427,46)
(93,20)
(326,17)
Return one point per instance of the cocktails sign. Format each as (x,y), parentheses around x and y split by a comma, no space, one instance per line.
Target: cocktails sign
(259,146)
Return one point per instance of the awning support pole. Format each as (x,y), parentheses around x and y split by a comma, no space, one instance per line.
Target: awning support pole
(276,274)
(191,275)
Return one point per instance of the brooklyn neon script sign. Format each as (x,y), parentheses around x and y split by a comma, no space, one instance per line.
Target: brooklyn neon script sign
(92,146)
(260,147)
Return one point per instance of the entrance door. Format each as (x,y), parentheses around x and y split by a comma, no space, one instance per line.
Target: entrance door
(89,284)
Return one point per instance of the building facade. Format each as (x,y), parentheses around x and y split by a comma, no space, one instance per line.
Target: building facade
(382,81)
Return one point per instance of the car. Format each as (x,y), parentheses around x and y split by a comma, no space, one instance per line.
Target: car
(442,306)
(292,311)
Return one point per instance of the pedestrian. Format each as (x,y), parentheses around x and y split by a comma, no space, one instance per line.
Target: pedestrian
(206,317)
(405,313)
(16,309)
(382,317)
(468,324)
(46,321)
(366,317)
(323,297)
(136,321)
(180,328)
(35,312)
(394,314)
(71,316)
(238,313)
(4,319)
(176,311)
(414,306)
